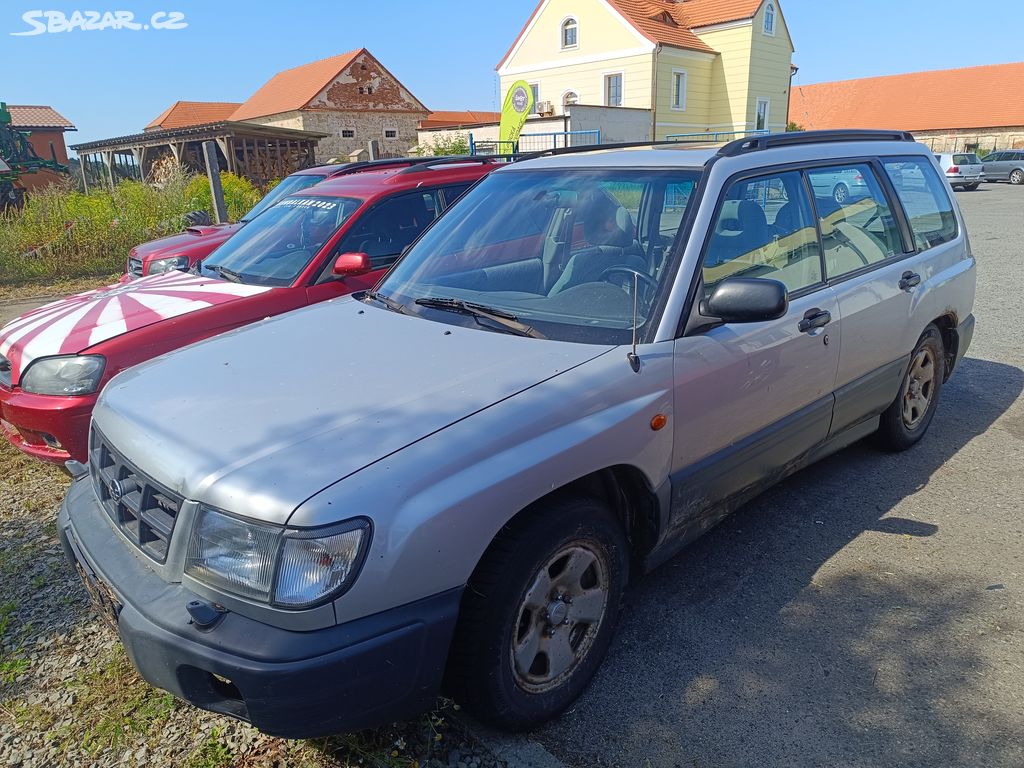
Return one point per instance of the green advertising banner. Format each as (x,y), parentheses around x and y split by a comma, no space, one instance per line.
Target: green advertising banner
(518,104)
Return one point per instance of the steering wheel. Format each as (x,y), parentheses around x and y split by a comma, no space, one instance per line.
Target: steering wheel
(650,284)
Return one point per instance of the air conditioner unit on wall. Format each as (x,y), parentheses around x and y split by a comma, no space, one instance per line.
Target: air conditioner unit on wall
(545,108)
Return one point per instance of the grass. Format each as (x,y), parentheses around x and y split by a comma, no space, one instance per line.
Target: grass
(119,707)
(62,234)
(68,287)
(212,753)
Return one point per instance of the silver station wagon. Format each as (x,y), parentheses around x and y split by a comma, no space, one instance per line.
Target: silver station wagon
(321,521)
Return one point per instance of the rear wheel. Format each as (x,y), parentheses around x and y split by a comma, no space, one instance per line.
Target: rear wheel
(905,421)
(1017,177)
(972,187)
(539,613)
(841,193)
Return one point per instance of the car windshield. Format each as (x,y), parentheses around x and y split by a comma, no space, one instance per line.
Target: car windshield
(559,252)
(289,185)
(274,248)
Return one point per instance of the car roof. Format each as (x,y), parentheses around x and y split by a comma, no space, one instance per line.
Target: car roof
(682,156)
(371,182)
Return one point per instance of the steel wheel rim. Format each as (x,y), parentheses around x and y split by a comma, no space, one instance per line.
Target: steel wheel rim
(918,388)
(559,617)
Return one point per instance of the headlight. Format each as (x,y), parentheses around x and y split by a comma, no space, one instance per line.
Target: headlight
(70,375)
(159,266)
(285,567)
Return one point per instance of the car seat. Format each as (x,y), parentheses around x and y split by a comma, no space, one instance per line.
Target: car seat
(610,231)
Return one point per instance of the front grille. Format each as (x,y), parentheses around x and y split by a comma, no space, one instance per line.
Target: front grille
(5,372)
(144,510)
(135,267)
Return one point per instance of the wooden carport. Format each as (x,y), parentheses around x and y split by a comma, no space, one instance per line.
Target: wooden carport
(261,153)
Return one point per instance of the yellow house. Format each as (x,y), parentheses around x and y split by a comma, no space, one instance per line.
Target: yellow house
(696,65)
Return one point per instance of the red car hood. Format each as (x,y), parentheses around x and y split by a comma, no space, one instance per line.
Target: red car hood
(214,234)
(78,322)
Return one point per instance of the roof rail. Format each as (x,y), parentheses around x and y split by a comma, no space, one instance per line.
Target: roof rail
(617,145)
(796,138)
(373,165)
(432,161)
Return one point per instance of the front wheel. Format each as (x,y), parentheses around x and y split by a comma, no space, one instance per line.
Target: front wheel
(539,613)
(1017,177)
(905,421)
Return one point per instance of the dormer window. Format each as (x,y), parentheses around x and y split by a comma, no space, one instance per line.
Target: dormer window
(769,19)
(570,30)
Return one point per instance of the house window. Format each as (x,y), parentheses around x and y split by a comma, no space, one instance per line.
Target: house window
(348,133)
(361,89)
(569,98)
(761,122)
(369,89)
(390,134)
(613,90)
(679,89)
(769,19)
(535,90)
(569,32)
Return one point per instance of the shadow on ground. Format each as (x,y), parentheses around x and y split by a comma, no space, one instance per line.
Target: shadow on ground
(818,626)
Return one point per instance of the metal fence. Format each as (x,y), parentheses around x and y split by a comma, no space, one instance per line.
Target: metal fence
(713,137)
(535,142)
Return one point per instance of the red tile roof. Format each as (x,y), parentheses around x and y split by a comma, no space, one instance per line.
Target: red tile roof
(182,114)
(454,119)
(975,97)
(25,117)
(704,13)
(294,88)
(669,22)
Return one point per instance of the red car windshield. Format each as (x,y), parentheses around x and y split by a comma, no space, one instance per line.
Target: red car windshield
(275,247)
(288,186)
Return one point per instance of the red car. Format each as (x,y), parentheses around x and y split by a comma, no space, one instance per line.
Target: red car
(311,246)
(183,250)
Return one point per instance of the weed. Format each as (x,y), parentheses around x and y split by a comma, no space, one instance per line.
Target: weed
(212,753)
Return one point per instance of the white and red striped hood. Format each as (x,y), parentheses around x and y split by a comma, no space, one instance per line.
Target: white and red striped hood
(78,322)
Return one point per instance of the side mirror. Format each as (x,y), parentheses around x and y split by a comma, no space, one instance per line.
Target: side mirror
(351,264)
(746,300)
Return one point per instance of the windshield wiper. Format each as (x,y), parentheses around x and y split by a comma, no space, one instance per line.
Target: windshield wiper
(227,274)
(506,320)
(387,301)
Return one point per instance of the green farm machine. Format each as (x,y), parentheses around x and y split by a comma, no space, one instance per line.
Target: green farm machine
(17,158)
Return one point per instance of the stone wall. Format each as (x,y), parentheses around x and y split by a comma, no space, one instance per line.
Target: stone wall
(981,140)
(364,127)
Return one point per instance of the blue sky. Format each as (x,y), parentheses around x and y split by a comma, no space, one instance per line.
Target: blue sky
(114,82)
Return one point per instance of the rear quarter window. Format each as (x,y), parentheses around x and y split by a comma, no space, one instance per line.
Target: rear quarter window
(925,200)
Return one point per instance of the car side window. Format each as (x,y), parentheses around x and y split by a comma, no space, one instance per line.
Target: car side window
(765,228)
(857,226)
(384,231)
(453,193)
(925,200)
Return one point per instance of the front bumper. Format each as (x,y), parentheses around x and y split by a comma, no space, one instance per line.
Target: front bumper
(53,429)
(290,684)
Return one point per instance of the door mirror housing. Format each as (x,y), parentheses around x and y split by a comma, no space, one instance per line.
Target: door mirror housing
(351,264)
(746,300)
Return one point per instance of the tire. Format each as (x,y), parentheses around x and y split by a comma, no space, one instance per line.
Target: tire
(1017,177)
(972,187)
(904,422)
(841,193)
(538,580)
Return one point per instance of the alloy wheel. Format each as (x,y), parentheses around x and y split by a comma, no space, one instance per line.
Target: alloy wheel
(559,617)
(918,388)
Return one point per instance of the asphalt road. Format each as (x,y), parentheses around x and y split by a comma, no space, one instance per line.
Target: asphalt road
(867,612)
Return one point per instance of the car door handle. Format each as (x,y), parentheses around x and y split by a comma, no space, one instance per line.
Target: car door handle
(814,318)
(909,280)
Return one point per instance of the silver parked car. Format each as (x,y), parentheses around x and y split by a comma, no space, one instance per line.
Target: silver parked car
(963,170)
(1005,166)
(446,483)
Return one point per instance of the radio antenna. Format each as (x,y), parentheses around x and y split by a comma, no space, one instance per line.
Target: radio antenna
(634,359)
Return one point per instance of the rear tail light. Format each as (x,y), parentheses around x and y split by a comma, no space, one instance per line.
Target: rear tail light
(953,169)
